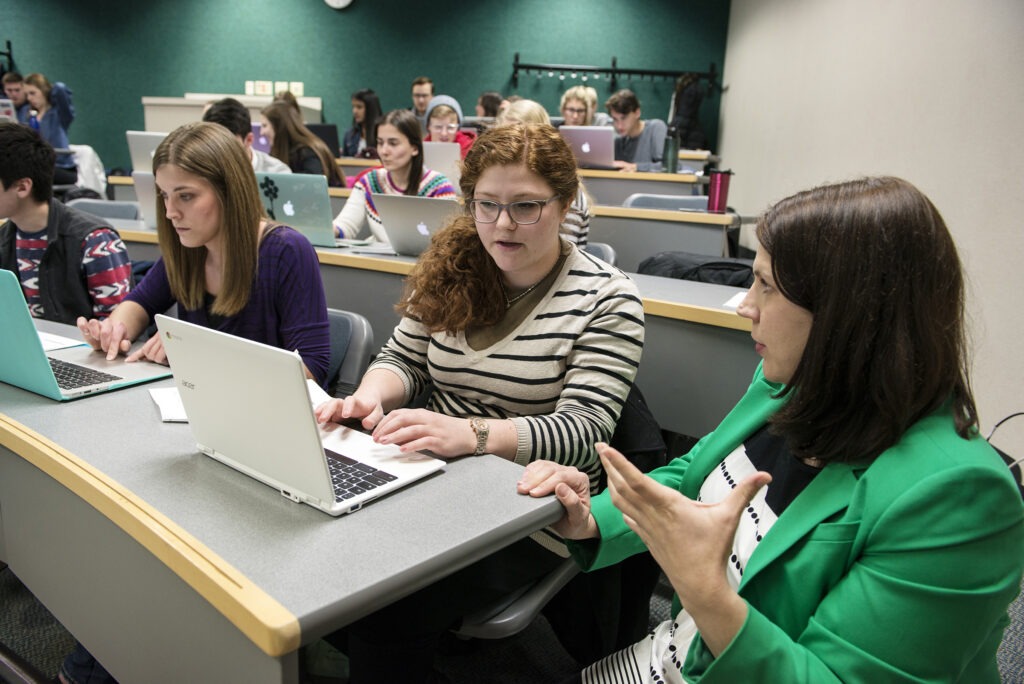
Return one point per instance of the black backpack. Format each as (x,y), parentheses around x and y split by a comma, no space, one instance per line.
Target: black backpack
(700,267)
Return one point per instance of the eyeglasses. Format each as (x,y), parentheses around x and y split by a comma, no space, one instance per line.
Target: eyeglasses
(521,213)
(441,128)
(574,110)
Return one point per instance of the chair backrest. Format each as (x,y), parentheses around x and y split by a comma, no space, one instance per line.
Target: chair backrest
(111,209)
(603,251)
(642,200)
(351,348)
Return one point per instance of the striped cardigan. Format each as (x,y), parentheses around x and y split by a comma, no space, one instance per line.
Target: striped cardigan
(562,375)
(359,211)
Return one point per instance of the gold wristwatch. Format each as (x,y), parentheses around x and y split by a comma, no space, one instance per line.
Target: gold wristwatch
(481,429)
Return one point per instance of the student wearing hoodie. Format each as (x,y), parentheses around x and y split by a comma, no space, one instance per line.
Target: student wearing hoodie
(444,121)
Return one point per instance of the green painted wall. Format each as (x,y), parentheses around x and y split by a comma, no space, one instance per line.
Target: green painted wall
(112,53)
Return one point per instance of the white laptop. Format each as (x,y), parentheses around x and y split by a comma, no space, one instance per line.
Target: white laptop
(62,374)
(8,113)
(409,222)
(444,158)
(145,195)
(142,146)
(299,200)
(262,423)
(594,146)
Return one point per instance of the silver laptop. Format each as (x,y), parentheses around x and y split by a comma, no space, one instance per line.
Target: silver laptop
(8,114)
(299,200)
(262,424)
(594,146)
(145,195)
(444,158)
(61,374)
(409,223)
(142,146)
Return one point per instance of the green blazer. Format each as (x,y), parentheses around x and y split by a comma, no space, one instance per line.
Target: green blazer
(900,570)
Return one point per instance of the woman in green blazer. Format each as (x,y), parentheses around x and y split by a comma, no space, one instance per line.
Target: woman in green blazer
(890,537)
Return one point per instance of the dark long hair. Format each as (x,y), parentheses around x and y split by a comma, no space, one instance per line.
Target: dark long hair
(291,134)
(455,283)
(409,126)
(874,263)
(371,116)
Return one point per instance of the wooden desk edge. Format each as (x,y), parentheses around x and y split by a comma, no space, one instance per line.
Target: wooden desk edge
(675,215)
(719,318)
(643,175)
(262,619)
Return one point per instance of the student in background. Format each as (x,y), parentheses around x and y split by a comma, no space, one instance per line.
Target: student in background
(234,116)
(444,121)
(70,263)
(297,146)
(401,173)
(289,97)
(361,139)
(488,103)
(641,142)
(576,224)
(54,113)
(531,346)
(422,91)
(887,543)
(14,90)
(579,108)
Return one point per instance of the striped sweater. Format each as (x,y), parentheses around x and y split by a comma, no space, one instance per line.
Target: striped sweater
(359,211)
(562,375)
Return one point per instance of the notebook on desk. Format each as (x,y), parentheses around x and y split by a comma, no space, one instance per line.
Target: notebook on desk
(409,222)
(299,200)
(444,158)
(594,146)
(61,374)
(262,423)
(142,146)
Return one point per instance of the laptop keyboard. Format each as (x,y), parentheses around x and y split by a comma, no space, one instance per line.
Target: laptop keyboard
(352,477)
(71,376)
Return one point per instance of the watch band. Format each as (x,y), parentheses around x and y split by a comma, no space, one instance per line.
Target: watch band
(481,429)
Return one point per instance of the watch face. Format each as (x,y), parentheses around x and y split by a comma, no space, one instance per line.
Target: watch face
(338,4)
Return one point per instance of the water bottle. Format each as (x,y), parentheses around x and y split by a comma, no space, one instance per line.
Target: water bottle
(718,191)
(33,120)
(670,157)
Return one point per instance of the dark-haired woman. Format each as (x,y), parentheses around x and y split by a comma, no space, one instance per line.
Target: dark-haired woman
(531,346)
(296,145)
(888,540)
(400,146)
(361,139)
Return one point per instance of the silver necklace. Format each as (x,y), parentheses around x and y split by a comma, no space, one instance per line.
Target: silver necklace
(513,300)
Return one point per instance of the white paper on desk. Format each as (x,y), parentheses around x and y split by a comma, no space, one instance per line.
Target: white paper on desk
(172,410)
(169,402)
(734,301)
(51,341)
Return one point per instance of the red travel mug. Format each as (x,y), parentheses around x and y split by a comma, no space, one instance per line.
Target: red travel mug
(718,190)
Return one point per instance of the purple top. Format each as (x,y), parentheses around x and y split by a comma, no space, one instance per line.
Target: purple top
(287,308)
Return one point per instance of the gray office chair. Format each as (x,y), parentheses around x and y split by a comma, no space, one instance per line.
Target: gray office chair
(603,251)
(641,200)
(110,209)
(351,348)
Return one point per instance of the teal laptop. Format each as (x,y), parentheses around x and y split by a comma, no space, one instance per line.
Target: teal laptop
(61,374)
(299,200)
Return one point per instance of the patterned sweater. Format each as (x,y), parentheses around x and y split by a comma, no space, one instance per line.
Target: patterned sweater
(359,211)
(562,375)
